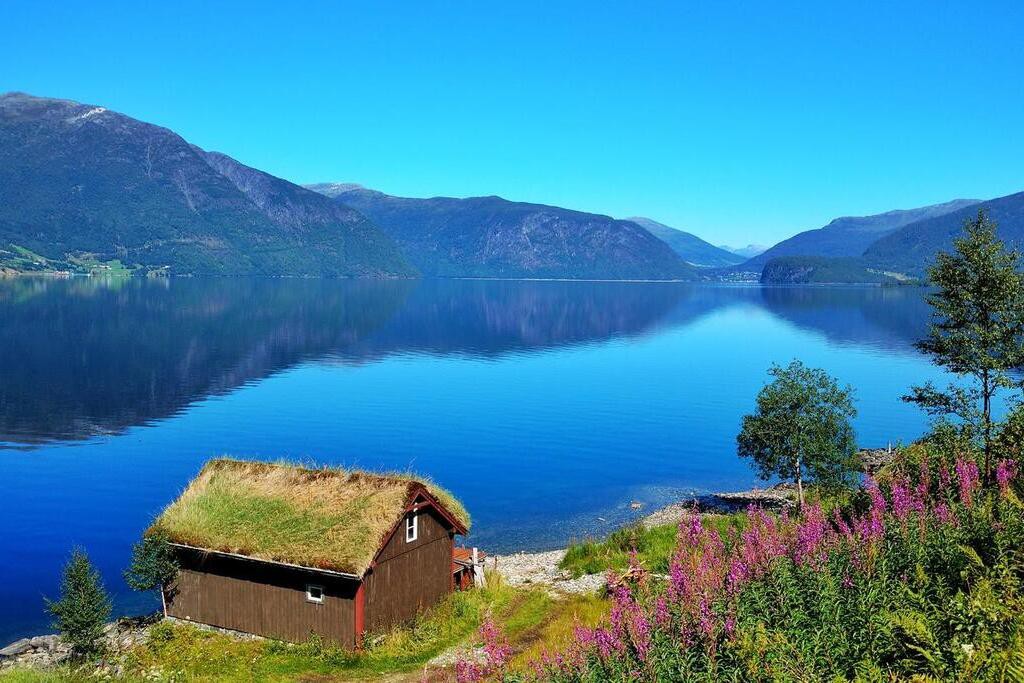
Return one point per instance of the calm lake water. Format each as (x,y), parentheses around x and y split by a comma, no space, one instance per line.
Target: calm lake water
(546,406)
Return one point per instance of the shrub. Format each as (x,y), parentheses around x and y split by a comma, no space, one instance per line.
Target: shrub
(154,564)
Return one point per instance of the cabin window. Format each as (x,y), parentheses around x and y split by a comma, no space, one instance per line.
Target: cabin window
(314,593)
(412,527)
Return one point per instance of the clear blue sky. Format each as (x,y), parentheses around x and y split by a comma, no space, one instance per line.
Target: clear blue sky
(738,121)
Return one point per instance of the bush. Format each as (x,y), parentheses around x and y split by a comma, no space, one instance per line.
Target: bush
(917,578)
(154,564)
(84,607)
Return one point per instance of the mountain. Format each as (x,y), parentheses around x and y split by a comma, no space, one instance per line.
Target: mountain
(690,248)
(803,270)
(851,235)
(747,252)
(494,237)
(86,188)
(912,247)
(332,190)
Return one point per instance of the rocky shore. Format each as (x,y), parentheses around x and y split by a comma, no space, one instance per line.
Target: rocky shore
(43,652)
(541,568)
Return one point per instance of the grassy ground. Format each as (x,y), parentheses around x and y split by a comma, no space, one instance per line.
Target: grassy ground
(22,260)
(654,547)
(532,620)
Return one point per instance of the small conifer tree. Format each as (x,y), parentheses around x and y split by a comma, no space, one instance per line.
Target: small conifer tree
(84,606)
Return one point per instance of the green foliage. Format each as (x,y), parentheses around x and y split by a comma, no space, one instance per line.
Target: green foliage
(801,427)
(84,606)
(977,328)
(153,565)
(794,270)
(653,547)
(1009,439)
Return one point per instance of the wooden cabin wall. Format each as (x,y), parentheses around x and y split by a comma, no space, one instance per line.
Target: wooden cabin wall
(410,577)
(261,598)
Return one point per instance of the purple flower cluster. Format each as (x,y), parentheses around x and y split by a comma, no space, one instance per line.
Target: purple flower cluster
(697,606)
(1006,470)
(968,479)
(496,651)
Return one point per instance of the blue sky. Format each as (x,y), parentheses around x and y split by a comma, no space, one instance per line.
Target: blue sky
(742,122)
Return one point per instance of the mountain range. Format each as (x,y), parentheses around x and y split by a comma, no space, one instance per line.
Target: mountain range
(850,235)
(494,237)
(86,189)
(894,246)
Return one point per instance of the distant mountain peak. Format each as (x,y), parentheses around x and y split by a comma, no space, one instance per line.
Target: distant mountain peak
(690,248)
(332,190)
(749,251)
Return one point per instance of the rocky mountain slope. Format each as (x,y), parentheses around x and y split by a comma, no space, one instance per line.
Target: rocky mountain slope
(851,235)
(494,237)
(913,246)
(80,184)
(690,248)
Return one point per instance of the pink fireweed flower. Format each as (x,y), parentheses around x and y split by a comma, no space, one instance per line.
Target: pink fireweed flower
(901,500)
(662,615)
(737,575)
(871,527)
(968,479)
(944,478)
(640,633)
(496,655)
(942,513)
(841,524)
(730,625)
(924,478)
(812,537)
(690,529)
(1005,472)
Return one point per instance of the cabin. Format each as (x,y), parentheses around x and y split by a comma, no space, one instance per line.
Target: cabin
(287,552)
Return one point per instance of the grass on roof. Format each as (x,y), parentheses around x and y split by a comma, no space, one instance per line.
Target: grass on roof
(328,518)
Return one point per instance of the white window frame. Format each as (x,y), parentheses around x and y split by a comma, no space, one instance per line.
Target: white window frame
(412,527)
(310,587)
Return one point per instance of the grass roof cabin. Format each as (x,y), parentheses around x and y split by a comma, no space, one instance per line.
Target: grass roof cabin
(286,551)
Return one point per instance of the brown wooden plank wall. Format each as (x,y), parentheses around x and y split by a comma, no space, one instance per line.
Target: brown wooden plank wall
(261,598)
(410,577)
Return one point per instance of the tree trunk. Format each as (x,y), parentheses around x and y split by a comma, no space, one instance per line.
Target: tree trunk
(799,483)
(986,424)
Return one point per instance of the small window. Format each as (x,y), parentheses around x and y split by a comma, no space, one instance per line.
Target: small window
(314,593)
(411,527)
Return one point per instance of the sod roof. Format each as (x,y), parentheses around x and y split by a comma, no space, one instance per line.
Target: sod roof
(326,518)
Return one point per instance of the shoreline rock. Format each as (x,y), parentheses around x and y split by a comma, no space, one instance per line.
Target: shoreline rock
(49,651)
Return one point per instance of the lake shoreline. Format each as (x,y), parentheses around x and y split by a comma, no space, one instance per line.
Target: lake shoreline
(525,568)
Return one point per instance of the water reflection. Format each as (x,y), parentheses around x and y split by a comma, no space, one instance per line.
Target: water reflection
(87,357)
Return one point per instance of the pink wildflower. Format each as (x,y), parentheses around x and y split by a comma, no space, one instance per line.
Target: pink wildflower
(812,537)
(1006,470)
(496,654)
(968,479)
(901,500)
